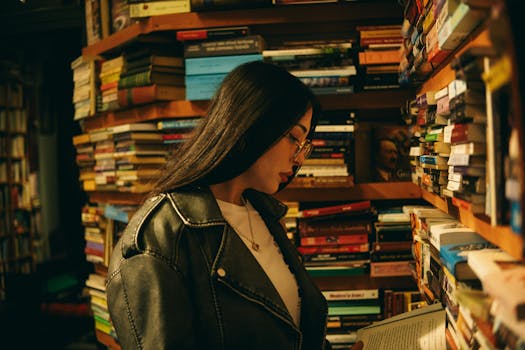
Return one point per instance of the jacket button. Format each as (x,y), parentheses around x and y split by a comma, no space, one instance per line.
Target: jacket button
(221,272)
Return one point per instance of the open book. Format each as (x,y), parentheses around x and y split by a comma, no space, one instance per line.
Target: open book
(417,329)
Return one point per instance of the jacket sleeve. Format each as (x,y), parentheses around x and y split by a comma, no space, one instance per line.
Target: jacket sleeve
(148,299)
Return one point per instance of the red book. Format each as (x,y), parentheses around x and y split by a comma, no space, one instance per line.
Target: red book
(346,248)
(335,239)
(212,33)
(335,209)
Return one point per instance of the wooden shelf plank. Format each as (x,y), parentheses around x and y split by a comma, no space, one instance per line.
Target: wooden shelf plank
(119,198)
(365,282)
(369,100)
(372,191)
(502,236)
(381,99)
(161,110)
(313,13)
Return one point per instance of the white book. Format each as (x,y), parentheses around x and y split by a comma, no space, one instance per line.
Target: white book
(351,294)
(421,328)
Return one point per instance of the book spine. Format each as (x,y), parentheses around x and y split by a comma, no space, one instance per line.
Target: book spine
(139,79)
(334,239)
(348,248)
(234,46)
(336,209)
(212,33)
(156,8)
(219,64)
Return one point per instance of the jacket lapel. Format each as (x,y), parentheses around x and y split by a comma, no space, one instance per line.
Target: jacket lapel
(233,264)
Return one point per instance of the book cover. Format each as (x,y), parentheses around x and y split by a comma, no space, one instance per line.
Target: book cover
(454,257)
(390,154)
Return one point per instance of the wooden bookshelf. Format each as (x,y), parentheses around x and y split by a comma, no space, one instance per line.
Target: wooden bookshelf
(365,282)
(364,12)
(117,198)
(445,74)
(501,236)
(149,112)
(372,191)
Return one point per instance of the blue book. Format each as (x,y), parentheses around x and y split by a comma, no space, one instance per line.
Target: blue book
(454,258)
(202,86)
(217,64)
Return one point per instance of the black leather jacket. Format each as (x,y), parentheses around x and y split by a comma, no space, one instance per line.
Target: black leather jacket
(180,278)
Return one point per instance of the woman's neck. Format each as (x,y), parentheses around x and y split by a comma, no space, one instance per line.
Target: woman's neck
(230,191)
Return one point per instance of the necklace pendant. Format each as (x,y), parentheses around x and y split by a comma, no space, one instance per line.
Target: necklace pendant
(255,246)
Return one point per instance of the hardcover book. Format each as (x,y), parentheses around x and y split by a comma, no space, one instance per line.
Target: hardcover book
(242,45)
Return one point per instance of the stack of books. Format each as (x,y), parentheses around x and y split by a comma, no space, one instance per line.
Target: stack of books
(334,240)
(85,92)
(326,66)
(151,73)
(109,77)
(139,155)
(214,54)
(379,56)
(331,162)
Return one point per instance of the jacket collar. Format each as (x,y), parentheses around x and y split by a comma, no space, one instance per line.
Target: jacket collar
(197,206)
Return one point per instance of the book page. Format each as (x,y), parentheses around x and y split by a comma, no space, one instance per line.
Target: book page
(419,329)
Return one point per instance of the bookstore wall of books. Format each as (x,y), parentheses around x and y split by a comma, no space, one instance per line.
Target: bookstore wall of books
(411,200)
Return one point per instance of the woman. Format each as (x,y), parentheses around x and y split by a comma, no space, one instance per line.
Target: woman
(205,262)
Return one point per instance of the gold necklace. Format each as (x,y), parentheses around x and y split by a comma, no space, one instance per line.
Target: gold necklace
(255,245)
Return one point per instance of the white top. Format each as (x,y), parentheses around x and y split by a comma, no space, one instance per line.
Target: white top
(269,255)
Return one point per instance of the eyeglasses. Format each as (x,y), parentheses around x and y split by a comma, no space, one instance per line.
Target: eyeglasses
(305,147)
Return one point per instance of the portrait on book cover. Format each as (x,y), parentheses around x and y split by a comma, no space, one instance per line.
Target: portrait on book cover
(390,154)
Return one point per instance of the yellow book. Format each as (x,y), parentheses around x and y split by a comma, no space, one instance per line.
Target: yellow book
(156,8)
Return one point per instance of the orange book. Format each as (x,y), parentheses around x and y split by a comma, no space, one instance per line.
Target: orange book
(150,93)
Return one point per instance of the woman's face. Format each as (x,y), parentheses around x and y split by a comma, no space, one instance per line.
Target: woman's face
(275,166)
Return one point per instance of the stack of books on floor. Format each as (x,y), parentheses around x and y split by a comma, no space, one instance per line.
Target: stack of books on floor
(332,160)
(326,66)
(211,56)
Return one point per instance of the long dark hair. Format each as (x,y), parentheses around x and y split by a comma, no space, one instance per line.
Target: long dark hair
(256,104)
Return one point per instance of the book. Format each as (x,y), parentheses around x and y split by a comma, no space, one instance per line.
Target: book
(149,93)
(149,77)
(212,5)
(212,33)
(217,64)
(350,294)
(156,8)
(249,44)
(454,257)
(512,297)
(155,60)
(422,328)
(133,127)
(336,209)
